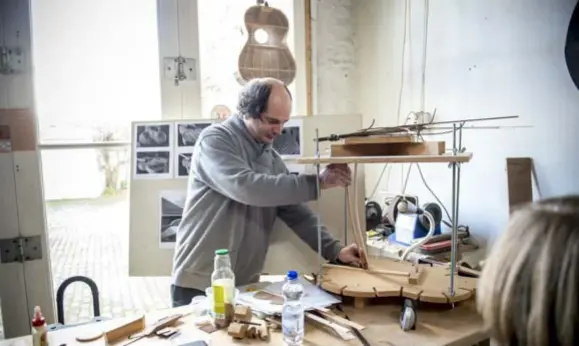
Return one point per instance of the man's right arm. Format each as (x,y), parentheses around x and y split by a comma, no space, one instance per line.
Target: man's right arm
(220,165)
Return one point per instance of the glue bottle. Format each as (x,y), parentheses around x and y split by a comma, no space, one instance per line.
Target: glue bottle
(39,329)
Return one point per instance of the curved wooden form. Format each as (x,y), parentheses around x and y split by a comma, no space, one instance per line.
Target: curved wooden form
(432,285)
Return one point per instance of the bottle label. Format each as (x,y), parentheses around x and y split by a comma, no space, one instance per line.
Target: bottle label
(219,301)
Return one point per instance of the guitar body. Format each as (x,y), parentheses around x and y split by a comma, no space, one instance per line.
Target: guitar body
(572,47)
(265,53)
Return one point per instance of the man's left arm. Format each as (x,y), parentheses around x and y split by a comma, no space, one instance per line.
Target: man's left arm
(304,223)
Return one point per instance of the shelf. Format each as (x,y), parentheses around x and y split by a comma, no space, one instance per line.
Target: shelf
(460,158)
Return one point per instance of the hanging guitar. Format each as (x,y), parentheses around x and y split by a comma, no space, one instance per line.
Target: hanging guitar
(265,53)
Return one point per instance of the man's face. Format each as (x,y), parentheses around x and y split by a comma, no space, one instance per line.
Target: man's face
(269,126)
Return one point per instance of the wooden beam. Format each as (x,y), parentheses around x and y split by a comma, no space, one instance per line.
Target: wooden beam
(463,158)
(308,33)
(388,149)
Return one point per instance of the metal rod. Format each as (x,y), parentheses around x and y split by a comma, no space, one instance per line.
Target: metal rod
(346,217)
(319,224)
(413,127)
(454,224)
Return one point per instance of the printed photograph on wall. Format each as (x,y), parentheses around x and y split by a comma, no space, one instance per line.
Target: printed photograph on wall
(172,203)
(187,133)
(153,164)
(290,142)
(153,150)
(153,136)
(184,164)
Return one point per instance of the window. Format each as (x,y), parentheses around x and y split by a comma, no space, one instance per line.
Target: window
(222,35)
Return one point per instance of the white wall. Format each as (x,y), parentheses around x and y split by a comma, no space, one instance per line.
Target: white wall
(483,59)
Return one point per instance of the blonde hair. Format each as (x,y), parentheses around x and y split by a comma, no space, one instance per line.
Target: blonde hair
(528,290)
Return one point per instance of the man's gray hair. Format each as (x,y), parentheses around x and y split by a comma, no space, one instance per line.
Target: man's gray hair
(254,96)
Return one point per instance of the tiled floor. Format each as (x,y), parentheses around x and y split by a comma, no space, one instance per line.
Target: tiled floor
(90,238)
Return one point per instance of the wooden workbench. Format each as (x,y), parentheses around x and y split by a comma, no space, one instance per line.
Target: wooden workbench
(461,326)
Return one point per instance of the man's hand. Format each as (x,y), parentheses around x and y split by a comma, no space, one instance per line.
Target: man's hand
(350,255)
(335,175)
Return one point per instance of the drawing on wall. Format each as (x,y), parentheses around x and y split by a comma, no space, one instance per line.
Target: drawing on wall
(187,133)
(152,151)
(290,142)
(172,203)
(153,136)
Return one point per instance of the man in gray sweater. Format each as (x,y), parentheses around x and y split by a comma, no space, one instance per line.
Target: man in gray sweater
(238,186)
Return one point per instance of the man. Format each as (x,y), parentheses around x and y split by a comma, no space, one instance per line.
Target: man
(238,186)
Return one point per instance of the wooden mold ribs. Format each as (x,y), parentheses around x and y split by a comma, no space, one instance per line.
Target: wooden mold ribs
(431,285)
(386,146)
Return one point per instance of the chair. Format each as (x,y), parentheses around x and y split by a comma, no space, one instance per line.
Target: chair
(60,302)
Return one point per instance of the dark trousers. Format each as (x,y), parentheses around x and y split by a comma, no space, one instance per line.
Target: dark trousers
(182,295)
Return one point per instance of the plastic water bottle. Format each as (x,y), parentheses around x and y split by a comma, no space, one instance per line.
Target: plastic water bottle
(292,315)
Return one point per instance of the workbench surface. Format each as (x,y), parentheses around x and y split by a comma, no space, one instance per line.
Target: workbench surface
(461,326)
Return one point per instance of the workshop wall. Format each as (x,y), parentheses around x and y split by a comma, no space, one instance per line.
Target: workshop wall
(483,59)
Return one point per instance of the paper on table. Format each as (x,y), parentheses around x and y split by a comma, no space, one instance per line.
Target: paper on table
(314,297)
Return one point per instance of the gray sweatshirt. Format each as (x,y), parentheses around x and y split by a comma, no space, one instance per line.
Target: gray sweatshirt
(236,190)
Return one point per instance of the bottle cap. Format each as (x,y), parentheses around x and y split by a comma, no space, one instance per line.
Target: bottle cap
(292,275)
(221,252)
(38,320)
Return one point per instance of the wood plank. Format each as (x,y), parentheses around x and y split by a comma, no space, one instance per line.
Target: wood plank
(388,149)
(520,181)
(447,158)
(380,139)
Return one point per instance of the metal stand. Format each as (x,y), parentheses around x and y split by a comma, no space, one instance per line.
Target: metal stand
(319,221)
(456,149)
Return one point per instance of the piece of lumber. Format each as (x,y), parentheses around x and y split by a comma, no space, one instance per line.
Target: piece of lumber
(371,270)
(339,319)
(343,332)
(446,158)
(380,139)
(386,149)
(519,181)
(433,286)
(123,331)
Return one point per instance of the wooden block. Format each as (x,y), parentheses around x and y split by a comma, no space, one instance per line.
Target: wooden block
(237,330)
(242,313)
(263,332)
(123,331)
(520,181)
(388,149)
(380,139)
(251,332)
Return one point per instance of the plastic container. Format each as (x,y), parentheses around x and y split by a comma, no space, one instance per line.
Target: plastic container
(292,315)
(223,289)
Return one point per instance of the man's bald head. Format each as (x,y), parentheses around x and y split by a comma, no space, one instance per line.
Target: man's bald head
(257,94)
(265,104)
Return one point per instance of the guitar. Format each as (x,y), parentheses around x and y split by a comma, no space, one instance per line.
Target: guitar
(572,46)
(265,53)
